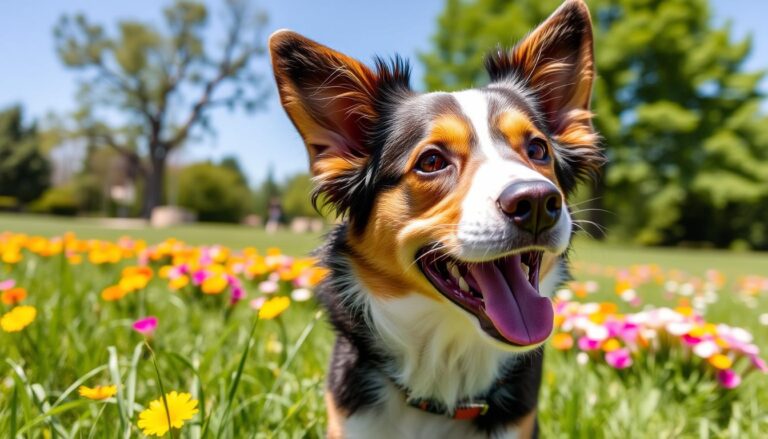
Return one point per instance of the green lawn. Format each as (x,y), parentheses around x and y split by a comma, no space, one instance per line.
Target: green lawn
(78,338)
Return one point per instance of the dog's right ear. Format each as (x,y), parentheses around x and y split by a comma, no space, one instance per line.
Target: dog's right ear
(330,99)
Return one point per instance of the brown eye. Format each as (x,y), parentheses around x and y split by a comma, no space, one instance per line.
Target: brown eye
(431,162)
(537,151)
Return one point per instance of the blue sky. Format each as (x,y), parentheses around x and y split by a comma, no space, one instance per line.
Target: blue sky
(32,75)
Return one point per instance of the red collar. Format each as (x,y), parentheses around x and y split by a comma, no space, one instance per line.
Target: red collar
(465,410)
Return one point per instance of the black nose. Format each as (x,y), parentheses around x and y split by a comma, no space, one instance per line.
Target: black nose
(534,206)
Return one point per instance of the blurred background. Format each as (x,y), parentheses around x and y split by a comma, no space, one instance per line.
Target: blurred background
(139,111)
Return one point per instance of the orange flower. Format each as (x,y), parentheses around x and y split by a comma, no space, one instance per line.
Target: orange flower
(214,284)
(611,345)
(274,307)
(14,295)
(562,341)
(110,294)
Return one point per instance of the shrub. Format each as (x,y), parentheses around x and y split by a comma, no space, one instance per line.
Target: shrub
(57,201)
(215,193)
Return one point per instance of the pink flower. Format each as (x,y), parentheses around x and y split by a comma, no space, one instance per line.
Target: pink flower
(619,358)
(7,284)
(199,277)
(758,363)
(145,326)
(268,286)
(257,303)
(728,378)
(588,344)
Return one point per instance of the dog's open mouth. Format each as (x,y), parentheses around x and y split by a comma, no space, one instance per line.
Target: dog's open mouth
(503,294)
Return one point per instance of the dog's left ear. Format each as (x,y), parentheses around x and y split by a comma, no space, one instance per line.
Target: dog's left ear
(556,61)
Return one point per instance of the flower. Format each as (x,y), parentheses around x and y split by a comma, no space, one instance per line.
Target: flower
(113,293)
(268,286)
(301,294)
(7,284)
(728,378)
(720,361)
(13,296)
(154,420)
(18,318)
(619,358)
(274,307)
(562,341)
(214,284)
(145,326)
(97,393)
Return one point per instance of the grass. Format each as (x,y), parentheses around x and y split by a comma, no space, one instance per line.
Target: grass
(266,380)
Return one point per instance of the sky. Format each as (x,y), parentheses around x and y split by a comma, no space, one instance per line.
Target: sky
(32,75)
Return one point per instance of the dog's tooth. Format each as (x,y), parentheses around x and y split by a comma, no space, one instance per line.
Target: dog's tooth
(454,270)
(463,285)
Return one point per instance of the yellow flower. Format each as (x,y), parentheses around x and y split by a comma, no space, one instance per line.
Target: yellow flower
(97,393)
(214,284)
(274,307)
(720,361)
(178,283)
(18,318)
(11,256)
(154,420)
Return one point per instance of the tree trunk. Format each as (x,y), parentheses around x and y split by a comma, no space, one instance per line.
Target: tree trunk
(154,189)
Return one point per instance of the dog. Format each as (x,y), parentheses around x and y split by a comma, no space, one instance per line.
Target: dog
(455,226)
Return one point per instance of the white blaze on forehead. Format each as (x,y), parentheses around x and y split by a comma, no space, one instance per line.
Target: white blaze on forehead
(483,226)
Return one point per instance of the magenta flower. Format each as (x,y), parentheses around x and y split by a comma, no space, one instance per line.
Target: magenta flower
(728,378)
(619,358)
(588,344)
(7,284)
(199,277)
(145,326)
(237,292)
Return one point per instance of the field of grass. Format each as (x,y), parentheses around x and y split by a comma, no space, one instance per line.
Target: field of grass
(264,377)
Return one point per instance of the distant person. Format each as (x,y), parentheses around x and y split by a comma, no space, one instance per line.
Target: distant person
(274,215)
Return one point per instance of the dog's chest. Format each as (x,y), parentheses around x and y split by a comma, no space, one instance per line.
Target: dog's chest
(394,418)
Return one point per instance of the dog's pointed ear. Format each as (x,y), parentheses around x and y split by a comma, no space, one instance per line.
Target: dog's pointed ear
(556,61)
(328,96)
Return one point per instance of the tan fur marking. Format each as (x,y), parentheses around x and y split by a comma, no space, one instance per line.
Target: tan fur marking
(526,425)
(405,219)
(335,418)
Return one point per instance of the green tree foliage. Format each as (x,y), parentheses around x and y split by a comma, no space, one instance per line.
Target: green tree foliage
(296,197)
(680,115)
(214,192)
(146,91)
(24,170)
(268,190)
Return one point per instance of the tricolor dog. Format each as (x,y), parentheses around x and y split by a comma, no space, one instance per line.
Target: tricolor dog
(456,218)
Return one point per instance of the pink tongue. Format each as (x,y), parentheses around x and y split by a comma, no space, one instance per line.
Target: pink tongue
(520,314)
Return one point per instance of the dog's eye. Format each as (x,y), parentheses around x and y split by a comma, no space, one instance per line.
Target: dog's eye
(537,150)
(431,162)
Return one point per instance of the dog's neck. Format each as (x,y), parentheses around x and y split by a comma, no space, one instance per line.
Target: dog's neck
(431,349)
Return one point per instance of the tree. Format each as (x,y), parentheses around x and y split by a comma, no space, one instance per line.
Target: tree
(268,191)
(24,170)
(136,84)
(296,197)
(214,192)
(686,141)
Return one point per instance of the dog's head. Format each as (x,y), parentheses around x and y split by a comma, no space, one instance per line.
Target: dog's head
(459,197)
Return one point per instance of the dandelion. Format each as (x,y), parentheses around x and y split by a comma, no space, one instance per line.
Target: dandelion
(13,296)
(181,408)
(274,307)
(145,326)
(97,393)
(18,318)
